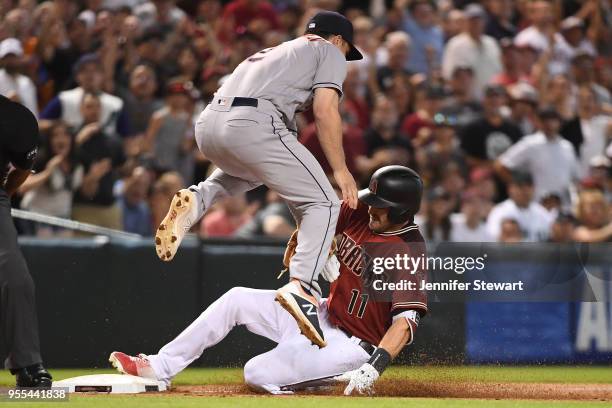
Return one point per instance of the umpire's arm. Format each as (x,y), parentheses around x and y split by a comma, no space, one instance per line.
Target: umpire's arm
(21,143)
(15,178)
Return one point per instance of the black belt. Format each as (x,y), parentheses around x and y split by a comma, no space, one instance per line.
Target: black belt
(367,347)
(240,101)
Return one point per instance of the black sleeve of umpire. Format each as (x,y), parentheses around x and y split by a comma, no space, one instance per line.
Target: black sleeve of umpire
(21,136)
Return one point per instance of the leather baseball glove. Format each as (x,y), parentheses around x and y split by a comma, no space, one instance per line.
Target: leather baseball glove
(332,267)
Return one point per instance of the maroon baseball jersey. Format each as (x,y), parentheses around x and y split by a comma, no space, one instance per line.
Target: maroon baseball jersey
(350,306)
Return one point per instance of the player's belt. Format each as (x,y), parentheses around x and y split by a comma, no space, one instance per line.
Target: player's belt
(240,101)
(368,348)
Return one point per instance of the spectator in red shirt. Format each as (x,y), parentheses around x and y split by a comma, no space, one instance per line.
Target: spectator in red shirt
(511,62)
(224,222)
(257,16)
(352,142)
(418,125)
(355,105)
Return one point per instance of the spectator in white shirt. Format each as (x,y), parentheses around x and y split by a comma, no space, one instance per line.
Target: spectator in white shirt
(563,45)
(58,175)
(67,104)
(600,175)
(546,156)
(533,219)
(469,225)
(572,40)
(13,84)
(474,49)
(589,131)
(542,23)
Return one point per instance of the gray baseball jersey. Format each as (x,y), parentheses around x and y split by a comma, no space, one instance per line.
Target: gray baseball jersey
(255,145)
(288,74)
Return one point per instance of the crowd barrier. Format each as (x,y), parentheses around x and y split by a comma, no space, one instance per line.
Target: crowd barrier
(98,295)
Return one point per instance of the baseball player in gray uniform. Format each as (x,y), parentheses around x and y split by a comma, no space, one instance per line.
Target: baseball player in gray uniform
(248,131)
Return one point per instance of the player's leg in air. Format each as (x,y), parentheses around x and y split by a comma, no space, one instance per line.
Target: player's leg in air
(293,361)
(189,205)
(248,131)
(252,147)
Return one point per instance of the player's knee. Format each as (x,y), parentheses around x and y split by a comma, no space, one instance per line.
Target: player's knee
(260,375)
(236,293)
(256,374)
(234,301)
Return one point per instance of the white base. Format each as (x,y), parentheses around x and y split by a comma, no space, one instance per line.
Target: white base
(111,383)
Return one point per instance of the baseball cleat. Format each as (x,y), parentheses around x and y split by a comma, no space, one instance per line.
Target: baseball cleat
(303,307)
(138,366)
(183,213)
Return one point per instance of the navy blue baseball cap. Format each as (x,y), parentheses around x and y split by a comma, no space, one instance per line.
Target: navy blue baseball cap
(335,23)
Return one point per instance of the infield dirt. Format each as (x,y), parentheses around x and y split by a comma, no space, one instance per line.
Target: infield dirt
(429,389)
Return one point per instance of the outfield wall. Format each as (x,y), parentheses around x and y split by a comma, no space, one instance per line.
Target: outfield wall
(96,296)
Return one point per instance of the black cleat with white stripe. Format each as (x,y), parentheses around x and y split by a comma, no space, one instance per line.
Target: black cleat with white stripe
(304,309)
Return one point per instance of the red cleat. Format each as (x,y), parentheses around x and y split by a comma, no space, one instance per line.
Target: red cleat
(138,366)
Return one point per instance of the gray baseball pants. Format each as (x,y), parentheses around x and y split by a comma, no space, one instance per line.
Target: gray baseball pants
(252,146)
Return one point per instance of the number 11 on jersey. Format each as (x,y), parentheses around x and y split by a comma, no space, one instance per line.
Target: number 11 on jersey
(353,302)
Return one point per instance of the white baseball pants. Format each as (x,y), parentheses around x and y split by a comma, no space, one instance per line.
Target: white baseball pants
(294,360)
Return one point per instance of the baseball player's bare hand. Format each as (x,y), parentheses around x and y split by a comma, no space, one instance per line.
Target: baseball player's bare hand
(347,185)
(361,379)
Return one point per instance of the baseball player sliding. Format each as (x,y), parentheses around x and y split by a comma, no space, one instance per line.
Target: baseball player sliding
(363,335)
(248,131)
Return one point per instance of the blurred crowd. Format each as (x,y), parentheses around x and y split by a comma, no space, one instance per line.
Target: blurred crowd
(502,106)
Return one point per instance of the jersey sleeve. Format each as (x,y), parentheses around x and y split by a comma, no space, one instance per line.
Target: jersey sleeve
(343,218)
(347,214)
(331,68)
(23,135)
